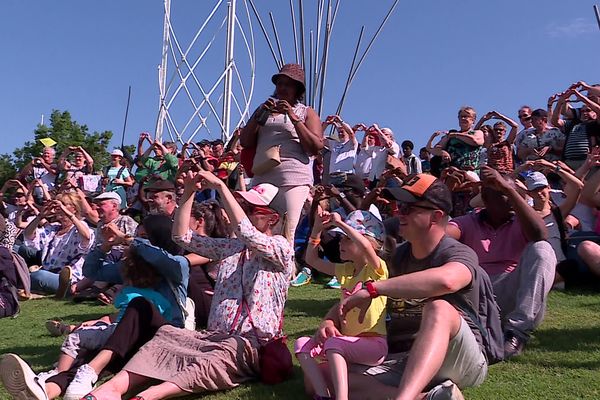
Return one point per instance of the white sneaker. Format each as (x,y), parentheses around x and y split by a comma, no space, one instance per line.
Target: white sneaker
(82,384)
(43,376)
(19,379)
(446,390)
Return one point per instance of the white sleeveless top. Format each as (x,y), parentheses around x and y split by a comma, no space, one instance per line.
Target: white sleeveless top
(296,166)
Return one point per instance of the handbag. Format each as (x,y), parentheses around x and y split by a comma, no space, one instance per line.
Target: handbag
(265,159)
(274,357)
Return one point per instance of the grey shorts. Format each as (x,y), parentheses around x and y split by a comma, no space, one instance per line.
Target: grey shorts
(464,364)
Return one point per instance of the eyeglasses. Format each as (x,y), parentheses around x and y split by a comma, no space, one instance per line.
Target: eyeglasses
(407,208)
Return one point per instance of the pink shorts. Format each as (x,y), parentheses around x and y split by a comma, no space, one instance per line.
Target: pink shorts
(366,350)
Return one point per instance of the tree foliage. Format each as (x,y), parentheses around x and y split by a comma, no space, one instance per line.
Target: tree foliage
(65,132)
(7,168)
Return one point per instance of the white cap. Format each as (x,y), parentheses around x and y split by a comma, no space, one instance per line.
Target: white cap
(108,196)
(117,152)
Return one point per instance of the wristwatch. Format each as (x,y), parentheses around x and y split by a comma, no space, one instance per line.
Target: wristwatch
(342,195)
(369,287)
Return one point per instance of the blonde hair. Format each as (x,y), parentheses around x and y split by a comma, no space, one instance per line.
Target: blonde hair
(71,199)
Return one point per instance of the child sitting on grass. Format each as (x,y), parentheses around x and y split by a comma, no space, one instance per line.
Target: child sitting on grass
(140,277)
(359,341)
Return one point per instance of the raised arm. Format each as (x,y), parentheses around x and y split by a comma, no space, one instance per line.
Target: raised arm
(312,255)
(532,223)
(474,139)
(514,127)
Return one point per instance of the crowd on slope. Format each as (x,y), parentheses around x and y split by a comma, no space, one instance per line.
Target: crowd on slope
(443,260)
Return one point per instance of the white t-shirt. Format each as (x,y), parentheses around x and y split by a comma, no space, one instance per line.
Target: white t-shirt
(342,155)
(380,158)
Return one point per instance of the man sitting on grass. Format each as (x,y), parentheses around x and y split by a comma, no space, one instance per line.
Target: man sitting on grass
(509,238)
(434,293)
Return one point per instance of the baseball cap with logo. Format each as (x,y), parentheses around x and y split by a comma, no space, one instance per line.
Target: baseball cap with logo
(423,187)
(260,195)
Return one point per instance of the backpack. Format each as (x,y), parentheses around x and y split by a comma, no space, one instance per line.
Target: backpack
(487,319)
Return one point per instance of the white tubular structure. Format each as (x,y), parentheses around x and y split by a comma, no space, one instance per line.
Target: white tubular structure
(187,106)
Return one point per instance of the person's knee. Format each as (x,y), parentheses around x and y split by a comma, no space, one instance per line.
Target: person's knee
(440,313)
(588,250)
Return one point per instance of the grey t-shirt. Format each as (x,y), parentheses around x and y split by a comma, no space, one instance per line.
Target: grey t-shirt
(405,314)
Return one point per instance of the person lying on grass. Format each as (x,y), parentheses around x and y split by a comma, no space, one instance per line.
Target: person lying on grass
(361,342)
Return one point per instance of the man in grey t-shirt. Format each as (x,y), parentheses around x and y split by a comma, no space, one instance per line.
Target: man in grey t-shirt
(440,347)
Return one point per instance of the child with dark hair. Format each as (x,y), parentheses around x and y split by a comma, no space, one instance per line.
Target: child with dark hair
(140,277)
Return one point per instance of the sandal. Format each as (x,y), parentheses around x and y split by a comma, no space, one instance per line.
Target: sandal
(109,294)
(87,294)
(89,396)
(57,328)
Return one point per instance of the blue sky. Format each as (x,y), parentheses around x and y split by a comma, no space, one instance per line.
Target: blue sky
(431,58)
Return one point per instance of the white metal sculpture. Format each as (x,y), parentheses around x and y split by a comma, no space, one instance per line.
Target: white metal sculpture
(202,100)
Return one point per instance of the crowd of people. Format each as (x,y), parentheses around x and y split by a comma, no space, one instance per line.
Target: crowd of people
(444,260)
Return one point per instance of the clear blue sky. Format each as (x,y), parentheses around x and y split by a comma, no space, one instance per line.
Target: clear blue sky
(431,58)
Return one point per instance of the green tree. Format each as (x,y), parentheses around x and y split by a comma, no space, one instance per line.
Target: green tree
(7,169)
(65,132)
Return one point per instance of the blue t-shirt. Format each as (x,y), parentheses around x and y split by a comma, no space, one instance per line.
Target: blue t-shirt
(131,292)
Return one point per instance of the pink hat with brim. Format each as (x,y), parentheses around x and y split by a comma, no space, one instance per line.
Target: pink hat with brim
(260,195)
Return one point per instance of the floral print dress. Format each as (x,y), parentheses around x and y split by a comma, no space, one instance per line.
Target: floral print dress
(254,267)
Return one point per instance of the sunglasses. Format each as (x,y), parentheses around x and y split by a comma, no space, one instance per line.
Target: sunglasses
(407,208)
(525,117)
(257,210)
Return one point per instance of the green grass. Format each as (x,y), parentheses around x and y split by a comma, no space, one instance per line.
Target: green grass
(561,362)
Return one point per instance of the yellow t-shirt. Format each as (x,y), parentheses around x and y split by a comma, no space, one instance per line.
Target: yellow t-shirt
(375,318)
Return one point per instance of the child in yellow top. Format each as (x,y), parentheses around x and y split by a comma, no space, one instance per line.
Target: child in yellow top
(355,342)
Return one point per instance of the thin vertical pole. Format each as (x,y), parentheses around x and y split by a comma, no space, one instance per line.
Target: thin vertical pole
(227,82)
(282,61)
(316,49)
(597,12)
(264,31)
(302,47)
(310,75)
(162,73)
(362,58)
(323,72)
(347,86)
(295,32)
(126,115)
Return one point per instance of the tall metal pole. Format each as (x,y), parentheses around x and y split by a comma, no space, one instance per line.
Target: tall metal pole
(277,42)
(227,82)
(362,58)
(597,12)
(347,86)
(323,72)
(302,47)
(162,74)
(294,31)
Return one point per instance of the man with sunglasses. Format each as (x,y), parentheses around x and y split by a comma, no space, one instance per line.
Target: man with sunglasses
(435,284)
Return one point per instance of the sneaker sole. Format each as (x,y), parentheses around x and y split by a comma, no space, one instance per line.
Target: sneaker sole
(14,374)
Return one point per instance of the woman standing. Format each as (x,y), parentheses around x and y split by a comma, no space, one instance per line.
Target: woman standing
(284,123)
(462,148)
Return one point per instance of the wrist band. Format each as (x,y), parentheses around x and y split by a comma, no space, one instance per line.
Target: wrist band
(371,289)
(314,241)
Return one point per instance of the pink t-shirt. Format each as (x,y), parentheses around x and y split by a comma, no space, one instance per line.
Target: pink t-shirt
(498,250)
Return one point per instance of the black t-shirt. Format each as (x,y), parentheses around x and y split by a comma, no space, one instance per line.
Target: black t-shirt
(405,314)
